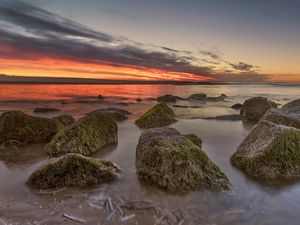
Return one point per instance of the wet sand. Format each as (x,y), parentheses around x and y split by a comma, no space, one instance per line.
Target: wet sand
(249,202)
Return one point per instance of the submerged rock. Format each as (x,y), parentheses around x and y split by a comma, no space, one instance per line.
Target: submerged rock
(197,97)
(254,108)
(20,127)
(45,110)
(86,136)
(176,162)
(117,115)
(65,119)
(158,116)
(233,117)
(123,111)
(101,97)
(72,170)
(139,100)
(237,106)
(168,98)
(270,152)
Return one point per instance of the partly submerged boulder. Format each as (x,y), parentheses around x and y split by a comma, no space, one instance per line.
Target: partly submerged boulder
(85,137)
(237,106)
(117,115)
(158,116)
(65,119)
(20,127)
(231,117)
(270,152)
(72,170)
(197,97)
(168,98)
(254,108)
(123,111)
(176,162)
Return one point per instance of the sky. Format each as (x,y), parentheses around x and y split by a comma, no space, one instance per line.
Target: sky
(191,40)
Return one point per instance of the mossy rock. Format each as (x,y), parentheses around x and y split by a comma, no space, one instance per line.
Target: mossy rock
(176,162)
(20,127)
(66,120)
(270,153)
(72,170)
(197,97)
(88,135)
(292,106)
(117,115)
(254,108)
(237,106)
(280,116)
(158,116)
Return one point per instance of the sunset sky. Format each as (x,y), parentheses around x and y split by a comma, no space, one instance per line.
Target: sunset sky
(192,40)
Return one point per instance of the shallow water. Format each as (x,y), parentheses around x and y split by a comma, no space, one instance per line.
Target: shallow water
(249,202)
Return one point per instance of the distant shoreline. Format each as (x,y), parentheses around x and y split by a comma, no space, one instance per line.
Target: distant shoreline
(6,79)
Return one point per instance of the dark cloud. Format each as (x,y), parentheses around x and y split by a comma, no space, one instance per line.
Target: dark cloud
(242,66)
(44,33)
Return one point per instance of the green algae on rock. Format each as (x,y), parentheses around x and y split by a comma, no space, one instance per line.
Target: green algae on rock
(20,127)
(66,120)
(254,108)
(72,170)
(270,153)
(85,136)
(176,162)
(158,116)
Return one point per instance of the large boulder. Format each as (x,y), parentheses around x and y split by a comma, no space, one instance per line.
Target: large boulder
(85,137)
(158,116)
(254,108)
(168,98)
(283,117)
(65,119)
(197,97)
(292,108)
(271,152)
(22,128)
(72,170)
(176,162)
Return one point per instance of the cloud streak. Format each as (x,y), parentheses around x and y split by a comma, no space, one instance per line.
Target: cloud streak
(45,34)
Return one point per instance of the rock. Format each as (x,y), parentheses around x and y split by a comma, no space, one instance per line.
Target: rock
(45,110)
(176,162)
(195,139)
(223,96)
(233,117)
(101,97)
(215,99)
(66,120)
(254,108)
(139,100)
(181,106)
(72,170)
(158,116)
(237,106)
(86,136)
(115,114)
(283,117)
(123,111)
(271,152)
(293,107)
(168,98)
(273,104)
(20,127)
(197,97)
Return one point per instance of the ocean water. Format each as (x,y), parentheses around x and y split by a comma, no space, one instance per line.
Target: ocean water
(249,202)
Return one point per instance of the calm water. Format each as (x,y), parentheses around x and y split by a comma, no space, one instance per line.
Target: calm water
(248,203)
